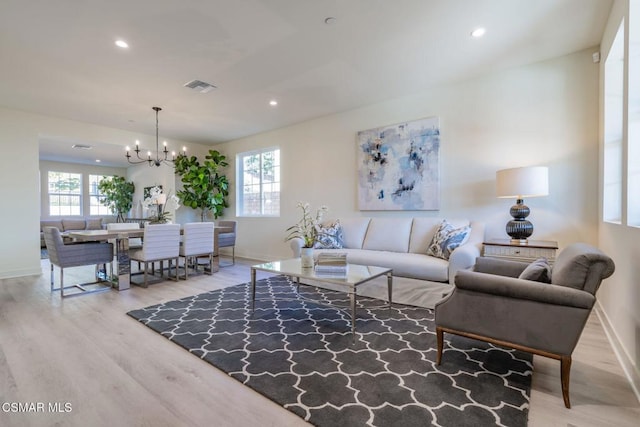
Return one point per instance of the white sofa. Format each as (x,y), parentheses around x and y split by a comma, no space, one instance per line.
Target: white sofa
(401,244)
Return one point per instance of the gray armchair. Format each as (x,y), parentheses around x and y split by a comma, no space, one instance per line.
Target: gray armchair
(76,255)
(228,239)
(492,304)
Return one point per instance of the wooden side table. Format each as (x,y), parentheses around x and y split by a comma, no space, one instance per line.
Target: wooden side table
(532,250)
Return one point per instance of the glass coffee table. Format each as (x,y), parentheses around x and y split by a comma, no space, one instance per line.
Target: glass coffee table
(356,275)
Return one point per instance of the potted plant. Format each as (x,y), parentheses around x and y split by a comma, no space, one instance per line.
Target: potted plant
(117,195)
(204,186)
(162,202)
(307,230)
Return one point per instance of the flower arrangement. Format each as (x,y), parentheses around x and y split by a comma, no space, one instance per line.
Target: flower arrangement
(163,202)
(307,228)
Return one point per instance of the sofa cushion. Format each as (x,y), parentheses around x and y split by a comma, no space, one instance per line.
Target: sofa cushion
(51,223)
(73,224)
(353,231)
(539,271)
(388,234)
(329,236)
(415,266)
(423,230)
(446,239)
(94,223)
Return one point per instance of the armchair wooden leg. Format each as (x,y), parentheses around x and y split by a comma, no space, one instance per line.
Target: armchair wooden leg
(565,371)
(440,339)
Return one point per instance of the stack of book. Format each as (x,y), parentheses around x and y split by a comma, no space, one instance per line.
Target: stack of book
(331,264)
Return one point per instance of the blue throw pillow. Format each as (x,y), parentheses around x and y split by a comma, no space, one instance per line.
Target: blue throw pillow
(329,236)
(446,239)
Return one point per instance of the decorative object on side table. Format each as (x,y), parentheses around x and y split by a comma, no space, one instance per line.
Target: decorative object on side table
(520,183)
(307,230)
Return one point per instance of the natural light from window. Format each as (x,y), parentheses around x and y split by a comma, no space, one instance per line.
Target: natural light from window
(258,178)
(633,137)
(95,207)
(65,193)
(613,127)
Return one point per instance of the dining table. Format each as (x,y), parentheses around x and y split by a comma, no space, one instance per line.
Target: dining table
(122,279)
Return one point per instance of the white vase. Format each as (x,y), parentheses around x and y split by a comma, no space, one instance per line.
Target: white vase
(306,257)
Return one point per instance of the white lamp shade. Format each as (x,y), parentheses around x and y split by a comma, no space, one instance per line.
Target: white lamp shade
(522,182)
(161,199)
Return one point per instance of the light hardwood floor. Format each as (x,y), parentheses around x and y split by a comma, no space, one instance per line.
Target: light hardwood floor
(87,353)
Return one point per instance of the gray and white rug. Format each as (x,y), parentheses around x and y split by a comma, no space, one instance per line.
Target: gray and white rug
(301,355)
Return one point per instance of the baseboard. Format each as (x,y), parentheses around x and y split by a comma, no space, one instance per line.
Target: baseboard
(623,357)
(20,273)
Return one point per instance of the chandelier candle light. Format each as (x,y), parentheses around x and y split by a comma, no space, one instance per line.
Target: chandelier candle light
(521,183)
(159,159)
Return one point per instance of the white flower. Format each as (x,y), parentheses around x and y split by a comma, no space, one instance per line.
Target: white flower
(307,227)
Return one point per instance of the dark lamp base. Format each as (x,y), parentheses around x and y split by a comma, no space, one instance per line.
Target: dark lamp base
(519,228)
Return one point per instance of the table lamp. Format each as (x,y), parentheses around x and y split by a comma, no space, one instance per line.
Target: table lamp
(520,183)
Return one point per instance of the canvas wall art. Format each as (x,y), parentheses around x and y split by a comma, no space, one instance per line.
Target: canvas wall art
(398,166)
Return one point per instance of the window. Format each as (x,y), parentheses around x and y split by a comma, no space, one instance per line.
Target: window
(95,207)
(258,177)
(65,193)
(613,129)
(633,148)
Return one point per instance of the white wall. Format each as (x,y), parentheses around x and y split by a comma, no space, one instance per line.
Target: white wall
(619,297)
(20,186)
(541,114)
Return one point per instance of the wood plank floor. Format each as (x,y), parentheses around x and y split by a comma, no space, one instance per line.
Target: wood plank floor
(108,370)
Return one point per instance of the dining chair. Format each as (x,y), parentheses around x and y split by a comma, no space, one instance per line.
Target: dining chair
(228,239)
(76,255)
(197,242)
(160,242)
(134,242)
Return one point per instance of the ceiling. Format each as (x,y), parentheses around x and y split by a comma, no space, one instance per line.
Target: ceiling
(59,57)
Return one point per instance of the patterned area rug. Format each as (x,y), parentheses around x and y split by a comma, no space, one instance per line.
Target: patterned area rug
(300,354)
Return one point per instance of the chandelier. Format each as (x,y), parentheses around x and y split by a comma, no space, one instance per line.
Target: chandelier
(161,156)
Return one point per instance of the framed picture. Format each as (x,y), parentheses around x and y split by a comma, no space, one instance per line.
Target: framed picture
(398,166)
(147,191)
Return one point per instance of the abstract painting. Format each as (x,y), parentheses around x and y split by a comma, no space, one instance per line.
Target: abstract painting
(398,166)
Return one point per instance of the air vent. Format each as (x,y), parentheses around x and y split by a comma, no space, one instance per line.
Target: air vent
(82,146)
(200,86)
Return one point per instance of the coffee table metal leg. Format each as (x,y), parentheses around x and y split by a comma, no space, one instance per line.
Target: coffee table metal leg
(390,287)
(352,296)
(253,290)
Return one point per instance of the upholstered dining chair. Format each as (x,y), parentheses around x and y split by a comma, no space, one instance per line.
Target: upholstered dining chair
(134,242)
(197,242)
(160,242)
(493,304)
(76,255)
(228,239)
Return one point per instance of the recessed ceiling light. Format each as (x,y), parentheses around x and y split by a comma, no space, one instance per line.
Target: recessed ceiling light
(82,146)
(121,43)
(478,32)
(330,20)
(97,160)
(273,102)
